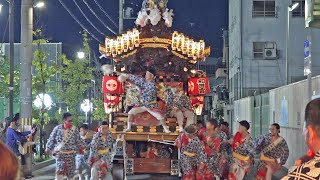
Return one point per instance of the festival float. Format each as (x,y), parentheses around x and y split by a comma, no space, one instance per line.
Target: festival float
(173,55)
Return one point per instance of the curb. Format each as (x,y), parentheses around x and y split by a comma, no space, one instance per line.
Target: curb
(43,164)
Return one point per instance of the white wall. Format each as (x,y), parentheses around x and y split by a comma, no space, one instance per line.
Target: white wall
(297,97)
(243,110)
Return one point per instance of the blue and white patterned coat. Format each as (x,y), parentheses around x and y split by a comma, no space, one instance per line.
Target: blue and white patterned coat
(65,163)
(101,143)
(148,94)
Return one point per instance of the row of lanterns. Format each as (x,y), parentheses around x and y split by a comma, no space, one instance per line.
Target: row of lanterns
(113,89)
(187,46)
(179,42)
(123,43)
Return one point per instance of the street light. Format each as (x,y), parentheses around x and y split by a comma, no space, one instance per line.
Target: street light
(290,9)
(0,7)
(86,107)
(42,102)
(39,4)
(81,55)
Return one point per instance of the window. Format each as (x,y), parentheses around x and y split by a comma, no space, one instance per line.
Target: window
(264,8)
(299,11)
(258,50)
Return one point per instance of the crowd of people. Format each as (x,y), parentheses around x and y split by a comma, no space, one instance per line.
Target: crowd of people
(74,149)
(208,151)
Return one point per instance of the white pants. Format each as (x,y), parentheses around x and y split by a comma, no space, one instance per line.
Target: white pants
(61,177)
(186,114)
(141,109)
(95,173)
(239,171)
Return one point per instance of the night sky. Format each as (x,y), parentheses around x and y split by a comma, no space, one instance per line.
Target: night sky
(200,19)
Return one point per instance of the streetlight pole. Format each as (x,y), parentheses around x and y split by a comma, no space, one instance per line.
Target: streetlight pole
(290,9)
(90,88)
(121,2)
(11,56)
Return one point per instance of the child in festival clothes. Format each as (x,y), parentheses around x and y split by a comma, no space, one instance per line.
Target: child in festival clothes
(242,152)
(82,159)
(100,158)
(193,158)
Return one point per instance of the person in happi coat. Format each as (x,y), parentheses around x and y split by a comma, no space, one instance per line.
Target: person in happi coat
(242,152)
(224,126)
(225,152)
(211,140)
(193,158)
(148,98)
(309,170)
(273,150)
(64,143)
(100,158)
(179,105)
(82,159)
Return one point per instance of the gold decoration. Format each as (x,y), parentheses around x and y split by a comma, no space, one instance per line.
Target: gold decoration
(155,45)
(181,46)
(129,54)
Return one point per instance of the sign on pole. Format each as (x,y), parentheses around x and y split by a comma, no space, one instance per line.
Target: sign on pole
(307,49)
(307,58)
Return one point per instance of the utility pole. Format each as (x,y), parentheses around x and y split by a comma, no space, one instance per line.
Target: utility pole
(25,77)
(121,2)
(11,56)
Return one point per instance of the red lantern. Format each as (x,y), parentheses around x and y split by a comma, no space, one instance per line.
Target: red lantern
(111,85)
(111,103)
(198,86)
(197,104)
(197,100)
(111,99)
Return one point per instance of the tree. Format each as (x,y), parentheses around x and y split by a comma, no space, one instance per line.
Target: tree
(76,76)
(99,112)
(5,78)
(40,81)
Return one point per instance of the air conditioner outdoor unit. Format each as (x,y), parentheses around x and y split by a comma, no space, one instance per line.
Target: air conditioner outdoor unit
(270,51)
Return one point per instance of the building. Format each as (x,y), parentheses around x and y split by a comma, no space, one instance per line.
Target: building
(257,46)
(257,68)
(53,52)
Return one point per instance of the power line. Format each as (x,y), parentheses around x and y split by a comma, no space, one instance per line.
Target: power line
(106,14)
(85,16)
(83,27)
(85,2)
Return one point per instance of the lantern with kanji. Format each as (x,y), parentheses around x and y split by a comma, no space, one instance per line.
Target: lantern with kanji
(197,104)
(111,85)
(111,103)
(198,86)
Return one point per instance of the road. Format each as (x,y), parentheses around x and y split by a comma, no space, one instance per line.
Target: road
(47,173)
